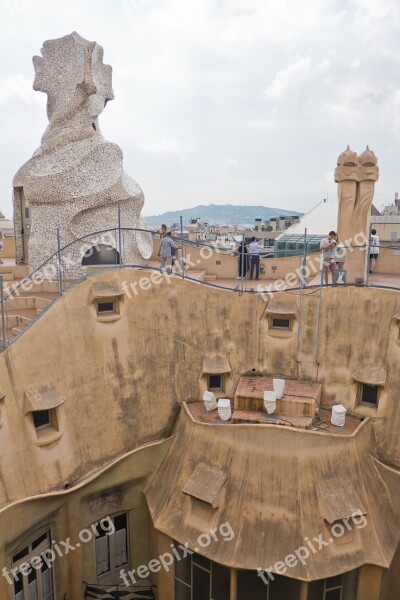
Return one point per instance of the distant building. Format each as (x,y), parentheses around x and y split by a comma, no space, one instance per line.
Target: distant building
(392,209)
(278,223)
(387,225)
(6,226)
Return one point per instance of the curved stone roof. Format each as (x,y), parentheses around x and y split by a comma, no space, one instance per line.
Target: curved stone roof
(273,497)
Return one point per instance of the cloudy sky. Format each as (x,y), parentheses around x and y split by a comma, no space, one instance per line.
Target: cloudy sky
(220,101)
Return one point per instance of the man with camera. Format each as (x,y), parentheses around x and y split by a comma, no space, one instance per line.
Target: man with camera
(328,245)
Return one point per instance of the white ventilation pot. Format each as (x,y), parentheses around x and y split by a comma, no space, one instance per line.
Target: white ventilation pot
(279,386)
(338,417)
(224,409)
(270,402)
(210,402)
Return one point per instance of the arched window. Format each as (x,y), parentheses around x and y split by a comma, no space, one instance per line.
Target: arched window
(101,254)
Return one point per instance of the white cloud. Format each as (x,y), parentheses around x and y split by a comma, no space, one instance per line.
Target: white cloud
(231,163)
(295,76)
(396,120)
(16,91)
(378,16)
(277,21)
(203,87)
(163,147)
(289,77)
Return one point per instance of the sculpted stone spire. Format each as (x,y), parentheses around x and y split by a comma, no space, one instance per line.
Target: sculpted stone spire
(75,179)
(355,176)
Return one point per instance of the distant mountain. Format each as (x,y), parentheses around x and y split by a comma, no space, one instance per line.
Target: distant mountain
(219,214)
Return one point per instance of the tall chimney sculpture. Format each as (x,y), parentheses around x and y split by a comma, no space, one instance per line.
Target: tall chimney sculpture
(75,179)
(355,176)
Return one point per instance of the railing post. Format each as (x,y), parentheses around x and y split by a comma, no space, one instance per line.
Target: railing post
(59,263)
(299,329)
(242,259)
(183,249)
(304,261)
(3,320)
(119,234)
(368,255)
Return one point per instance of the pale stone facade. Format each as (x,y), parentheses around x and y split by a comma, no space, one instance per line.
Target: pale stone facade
(76,178)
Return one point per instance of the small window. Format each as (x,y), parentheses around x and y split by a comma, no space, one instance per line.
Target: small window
(112,549)
(281,323)
(106,307)
(335,588)
(41,407)
(369,394)
(215,382)
(42,418)
(46,425)
(199,577)
(26,212)
(28,580)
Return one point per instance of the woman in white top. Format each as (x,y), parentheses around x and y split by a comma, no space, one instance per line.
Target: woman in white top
(340,254)
(373,250)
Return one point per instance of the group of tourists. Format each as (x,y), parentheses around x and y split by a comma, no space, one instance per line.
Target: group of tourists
(333,254)
(249,253)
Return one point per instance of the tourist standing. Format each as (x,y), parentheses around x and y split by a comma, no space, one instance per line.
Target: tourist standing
(255,249)
(328,245)
(373,250)
(340,254)
(243,251)
(166,250)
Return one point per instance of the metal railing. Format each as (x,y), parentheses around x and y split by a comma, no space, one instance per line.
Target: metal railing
(118,592)
(222,267)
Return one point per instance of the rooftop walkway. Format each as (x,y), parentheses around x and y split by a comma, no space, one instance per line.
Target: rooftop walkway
(24,303)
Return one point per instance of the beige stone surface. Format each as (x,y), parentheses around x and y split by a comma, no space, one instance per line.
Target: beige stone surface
(124,383)
(271,498)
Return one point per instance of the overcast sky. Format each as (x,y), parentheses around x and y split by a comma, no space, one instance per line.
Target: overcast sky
(220,101)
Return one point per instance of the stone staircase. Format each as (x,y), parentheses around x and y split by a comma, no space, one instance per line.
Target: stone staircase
(24,305)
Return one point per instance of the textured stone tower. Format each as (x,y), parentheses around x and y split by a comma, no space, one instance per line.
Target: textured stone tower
(355,176)
(76,178)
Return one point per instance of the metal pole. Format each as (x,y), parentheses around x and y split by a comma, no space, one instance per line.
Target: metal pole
(59,264)
(369,254)
(242,259)
(319,318)
(3,319)
(119,234)
(183,249)
(303,266)
(300,309)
